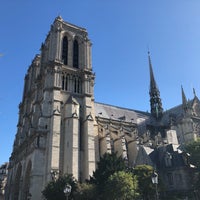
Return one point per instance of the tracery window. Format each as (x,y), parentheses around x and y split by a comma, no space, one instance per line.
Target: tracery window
(65,50)
(75,54)
(65,80)
(71,83)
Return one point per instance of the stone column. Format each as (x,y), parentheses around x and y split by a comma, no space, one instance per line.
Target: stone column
(71,153)
(88,141)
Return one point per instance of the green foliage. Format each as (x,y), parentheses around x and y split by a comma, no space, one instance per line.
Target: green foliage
(121,186)
(193,148)
(85,191)
(144,173)
(55,189)
(110,181)
(108,165)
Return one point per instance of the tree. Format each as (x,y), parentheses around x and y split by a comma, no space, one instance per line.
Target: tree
(121,186)
(193,148)
(55,189)
(146,188)
(85,191)
(108,165)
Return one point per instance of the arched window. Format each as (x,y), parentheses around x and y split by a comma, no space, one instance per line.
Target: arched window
(75,54)
(65,50)
(76,84)
(65,82)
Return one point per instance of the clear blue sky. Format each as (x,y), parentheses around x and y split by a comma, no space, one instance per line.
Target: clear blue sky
(121,33)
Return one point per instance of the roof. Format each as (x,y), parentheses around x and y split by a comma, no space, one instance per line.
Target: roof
(119,113)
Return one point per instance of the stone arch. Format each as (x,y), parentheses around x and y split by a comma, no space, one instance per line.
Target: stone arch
(27,177)
(17,182)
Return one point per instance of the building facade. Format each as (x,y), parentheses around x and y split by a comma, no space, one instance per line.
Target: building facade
(3,179)
(61,129)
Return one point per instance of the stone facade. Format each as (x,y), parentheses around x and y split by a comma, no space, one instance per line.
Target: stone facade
(56,128)
(61,129)
(3,179)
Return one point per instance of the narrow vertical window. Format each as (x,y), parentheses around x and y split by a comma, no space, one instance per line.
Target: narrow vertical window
(65,51)
(75,54)
(66,83)
(63,82)
(79,85)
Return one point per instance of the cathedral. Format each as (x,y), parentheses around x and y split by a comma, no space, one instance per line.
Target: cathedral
(61,129)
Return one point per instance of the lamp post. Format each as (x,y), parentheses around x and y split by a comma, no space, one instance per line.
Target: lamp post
(154,179)
(67,190)
(54,174)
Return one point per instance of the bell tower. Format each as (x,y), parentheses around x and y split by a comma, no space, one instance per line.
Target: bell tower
(55,132)
(68,93)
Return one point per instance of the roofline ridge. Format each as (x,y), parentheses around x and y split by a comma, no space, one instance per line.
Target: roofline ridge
(138,111)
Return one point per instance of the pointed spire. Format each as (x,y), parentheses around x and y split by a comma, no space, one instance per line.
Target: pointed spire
(194,92)
(155,100)
(152,79)
(184,99)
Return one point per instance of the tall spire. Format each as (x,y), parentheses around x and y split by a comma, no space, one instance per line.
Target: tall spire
(155,100)
(152,79)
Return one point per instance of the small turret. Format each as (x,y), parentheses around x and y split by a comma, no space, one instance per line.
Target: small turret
(184,100)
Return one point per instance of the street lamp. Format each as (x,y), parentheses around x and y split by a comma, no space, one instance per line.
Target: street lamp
(154,179)
(54,174)
(67,190)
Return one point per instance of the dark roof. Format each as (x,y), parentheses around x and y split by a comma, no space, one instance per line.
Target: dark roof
(119,113)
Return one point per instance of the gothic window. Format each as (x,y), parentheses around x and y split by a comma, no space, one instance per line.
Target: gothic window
(76,84)
(66,82)
(75,54)
(63,82)
(65,50)
(79,85)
